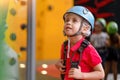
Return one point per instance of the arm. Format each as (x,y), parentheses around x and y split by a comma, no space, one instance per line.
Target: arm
(98,73)
(59,65)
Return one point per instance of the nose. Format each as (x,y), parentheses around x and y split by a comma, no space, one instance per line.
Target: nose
(68,22)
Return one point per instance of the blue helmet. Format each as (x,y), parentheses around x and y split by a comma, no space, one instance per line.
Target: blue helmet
(83,12)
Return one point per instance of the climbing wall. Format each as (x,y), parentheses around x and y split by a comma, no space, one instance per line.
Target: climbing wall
(8,56)
(49,27)
(16,34)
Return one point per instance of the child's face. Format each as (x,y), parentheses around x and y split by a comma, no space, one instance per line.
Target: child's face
(98,27)
(72,23)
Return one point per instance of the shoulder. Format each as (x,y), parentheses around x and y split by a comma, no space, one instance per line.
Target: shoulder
(90,47)
(87,46)
(104,34)
(65,42)
(90,50)
(92,56)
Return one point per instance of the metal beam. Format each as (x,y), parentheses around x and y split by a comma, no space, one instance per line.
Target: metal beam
(31,71)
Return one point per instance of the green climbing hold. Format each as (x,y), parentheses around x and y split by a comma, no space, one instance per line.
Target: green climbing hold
(12,61)
(13,36)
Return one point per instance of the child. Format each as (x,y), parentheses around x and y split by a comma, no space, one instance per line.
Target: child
(78,23)
(99,37)
(113,44)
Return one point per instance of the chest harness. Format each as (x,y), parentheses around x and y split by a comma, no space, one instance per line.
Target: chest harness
(74,64)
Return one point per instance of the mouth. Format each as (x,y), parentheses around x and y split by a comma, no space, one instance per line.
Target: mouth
(68,28)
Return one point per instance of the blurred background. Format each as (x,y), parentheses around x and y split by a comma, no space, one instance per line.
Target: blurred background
(49,34)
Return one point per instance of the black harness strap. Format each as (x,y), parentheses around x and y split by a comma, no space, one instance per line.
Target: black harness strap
(65,57)
(84,44)
(65,50)
(74,64)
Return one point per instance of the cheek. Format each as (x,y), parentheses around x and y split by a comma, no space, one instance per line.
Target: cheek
(64,26)
(76,27)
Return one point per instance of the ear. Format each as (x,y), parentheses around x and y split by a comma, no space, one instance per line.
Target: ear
(86,30)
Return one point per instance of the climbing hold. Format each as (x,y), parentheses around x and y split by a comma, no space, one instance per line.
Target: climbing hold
(13,11)
(12,61)
(13,36)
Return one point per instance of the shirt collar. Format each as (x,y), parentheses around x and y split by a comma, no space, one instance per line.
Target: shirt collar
(77,45)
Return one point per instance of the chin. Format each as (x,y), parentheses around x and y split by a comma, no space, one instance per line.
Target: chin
(68,33)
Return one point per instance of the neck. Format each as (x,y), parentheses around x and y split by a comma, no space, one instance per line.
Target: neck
(75,39)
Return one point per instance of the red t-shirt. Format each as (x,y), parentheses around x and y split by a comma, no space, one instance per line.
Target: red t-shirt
(89,59)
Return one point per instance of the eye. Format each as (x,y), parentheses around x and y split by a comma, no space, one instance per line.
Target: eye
(74,20)
(67,20)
